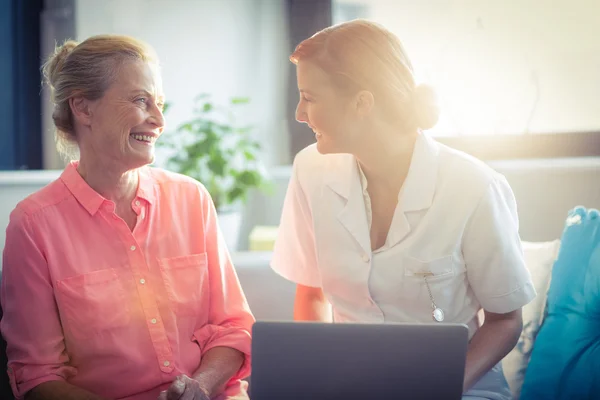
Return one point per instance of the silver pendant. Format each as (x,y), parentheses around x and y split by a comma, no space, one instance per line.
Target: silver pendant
(438,314)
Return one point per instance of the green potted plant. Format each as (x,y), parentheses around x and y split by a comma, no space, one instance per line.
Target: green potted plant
(213,149)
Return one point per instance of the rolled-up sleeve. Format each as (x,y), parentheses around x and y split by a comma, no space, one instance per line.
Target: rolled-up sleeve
(493,254)
(230,321)
(30,323)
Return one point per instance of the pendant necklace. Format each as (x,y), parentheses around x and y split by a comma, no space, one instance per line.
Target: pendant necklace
(437,313)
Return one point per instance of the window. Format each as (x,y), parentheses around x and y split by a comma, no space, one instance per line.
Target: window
(20,133)
(516,78)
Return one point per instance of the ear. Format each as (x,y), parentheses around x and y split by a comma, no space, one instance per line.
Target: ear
(81,110)
(364,102)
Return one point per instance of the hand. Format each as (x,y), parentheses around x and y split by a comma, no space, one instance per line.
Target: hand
(184,388)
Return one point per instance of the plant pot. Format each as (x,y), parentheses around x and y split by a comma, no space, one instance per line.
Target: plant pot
(230,223)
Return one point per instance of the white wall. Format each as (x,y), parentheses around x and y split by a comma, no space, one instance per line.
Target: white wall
(488,59)
(226,48)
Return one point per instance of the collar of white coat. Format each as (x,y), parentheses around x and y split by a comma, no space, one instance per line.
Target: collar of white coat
(419,187)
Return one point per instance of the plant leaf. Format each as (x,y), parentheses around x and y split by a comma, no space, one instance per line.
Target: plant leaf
(240,100)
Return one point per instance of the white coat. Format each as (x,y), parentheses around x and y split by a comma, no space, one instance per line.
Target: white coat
(455,221)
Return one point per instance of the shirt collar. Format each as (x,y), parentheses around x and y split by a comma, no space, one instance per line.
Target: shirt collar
(419,187)
(92,200)
(83,193)
(146,185)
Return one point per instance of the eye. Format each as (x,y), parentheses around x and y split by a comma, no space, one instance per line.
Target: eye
(141,100)
(160,105)
(306,99)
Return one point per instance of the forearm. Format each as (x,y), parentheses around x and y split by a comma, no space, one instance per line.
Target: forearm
(217,367)
(59,390)
(491,343)
(311,305)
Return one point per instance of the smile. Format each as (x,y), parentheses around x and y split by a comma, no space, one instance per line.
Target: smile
(143,138)
(317,134)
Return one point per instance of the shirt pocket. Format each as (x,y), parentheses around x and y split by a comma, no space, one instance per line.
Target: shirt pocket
(185,279)
(438,269)
(439,273)
(93,303)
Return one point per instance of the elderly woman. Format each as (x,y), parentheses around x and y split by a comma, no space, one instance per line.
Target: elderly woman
(117,283)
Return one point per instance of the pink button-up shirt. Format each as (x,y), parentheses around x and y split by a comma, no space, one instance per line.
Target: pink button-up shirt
(117,312)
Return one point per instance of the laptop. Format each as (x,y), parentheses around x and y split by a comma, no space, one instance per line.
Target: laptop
(309,360)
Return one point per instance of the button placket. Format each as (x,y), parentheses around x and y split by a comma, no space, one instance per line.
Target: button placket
(154,323)
(149,304)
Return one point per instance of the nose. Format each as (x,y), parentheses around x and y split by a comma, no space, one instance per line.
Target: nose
(301,114)
(156,116)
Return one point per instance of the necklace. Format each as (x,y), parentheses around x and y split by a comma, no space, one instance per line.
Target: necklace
(437,313)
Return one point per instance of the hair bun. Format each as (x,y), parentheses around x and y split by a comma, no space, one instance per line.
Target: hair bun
(426,106)
(57,60)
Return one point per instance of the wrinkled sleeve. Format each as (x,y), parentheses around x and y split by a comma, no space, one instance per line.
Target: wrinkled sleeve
(493,254)
(30,322)
(294,254)
(230,321)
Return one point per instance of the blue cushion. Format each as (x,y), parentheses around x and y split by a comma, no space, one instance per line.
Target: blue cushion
(565,362)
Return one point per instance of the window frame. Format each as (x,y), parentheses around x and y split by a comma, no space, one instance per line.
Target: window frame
(527,146)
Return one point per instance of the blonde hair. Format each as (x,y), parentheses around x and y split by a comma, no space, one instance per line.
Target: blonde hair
(361,54)
(86,69)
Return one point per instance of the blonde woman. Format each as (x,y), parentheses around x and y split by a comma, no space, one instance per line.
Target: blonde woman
(385,224)
(116,282)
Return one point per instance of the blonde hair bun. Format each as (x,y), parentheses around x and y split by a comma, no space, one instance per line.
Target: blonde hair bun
(57,60)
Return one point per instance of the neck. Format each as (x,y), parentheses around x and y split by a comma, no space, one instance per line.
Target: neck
(385,158)
(109,181)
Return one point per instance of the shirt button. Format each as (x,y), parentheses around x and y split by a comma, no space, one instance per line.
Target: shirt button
(166,363)
(142,281)
(153,320)
(365,257)
(137,203)
(132,248)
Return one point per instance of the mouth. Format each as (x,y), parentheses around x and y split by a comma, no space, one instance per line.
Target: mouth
(317,134)
(144,137)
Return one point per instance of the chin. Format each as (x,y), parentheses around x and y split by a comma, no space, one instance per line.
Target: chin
(326,147)
(139,161)
(323,148)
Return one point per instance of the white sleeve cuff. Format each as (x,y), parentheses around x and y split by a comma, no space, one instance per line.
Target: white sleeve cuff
(510,301)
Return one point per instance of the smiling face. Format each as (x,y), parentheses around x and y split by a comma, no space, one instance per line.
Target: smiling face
(333,117)
(127,120)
